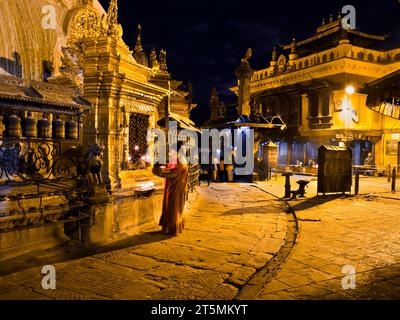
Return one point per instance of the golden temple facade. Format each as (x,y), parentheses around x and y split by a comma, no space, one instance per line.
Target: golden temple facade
(317,88)
(67,58)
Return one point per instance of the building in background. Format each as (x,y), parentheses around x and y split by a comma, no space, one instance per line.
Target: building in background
(384,98)
(317,89)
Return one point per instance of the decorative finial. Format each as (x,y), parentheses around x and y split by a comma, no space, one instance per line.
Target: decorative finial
(274,55)
(112,19)
(153,59)
(293,46)
(331,18)
(163,60)
(248,55)
(339,17)
(138,46)
(323,22)
(215,104)
(222,110)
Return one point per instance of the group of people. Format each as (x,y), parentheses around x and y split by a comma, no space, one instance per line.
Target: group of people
(217,172)
(172,219)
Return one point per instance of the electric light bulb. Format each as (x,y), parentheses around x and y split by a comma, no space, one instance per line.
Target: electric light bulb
(350,89)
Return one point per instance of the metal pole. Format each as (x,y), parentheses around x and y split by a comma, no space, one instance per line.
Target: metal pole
(394,180)
(287,185)
(357,182)
(167,110)
(388,172)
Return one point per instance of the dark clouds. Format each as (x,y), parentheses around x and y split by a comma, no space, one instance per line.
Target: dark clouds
(206,39)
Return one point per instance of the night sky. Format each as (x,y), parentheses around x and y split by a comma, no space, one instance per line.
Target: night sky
(205,40)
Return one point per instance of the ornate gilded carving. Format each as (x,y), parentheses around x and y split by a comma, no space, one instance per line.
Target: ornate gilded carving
(138,53)
(113,28)
(153,60)
(86,23)
(138,46)
(94,164)
(248,55)
(222,110)
(163,60)
(282,63)
(72,64)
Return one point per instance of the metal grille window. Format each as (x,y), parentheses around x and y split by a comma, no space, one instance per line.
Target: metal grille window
(138,125)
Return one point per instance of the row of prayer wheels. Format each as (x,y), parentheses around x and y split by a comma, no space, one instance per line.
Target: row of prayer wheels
(29,127)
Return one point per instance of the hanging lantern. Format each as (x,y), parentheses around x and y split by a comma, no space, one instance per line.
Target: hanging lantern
(29,127)
(44,128)
(71,129)
(58,128)
(13,126)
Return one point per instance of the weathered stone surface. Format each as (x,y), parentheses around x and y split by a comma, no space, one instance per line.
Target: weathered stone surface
(241,275)
(337,232)
(219,251)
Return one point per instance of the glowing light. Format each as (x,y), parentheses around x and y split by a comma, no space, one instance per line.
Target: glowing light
(145,186)
(136,148)
(350,90)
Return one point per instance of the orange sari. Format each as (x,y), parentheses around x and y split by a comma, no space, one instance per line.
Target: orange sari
(172,221)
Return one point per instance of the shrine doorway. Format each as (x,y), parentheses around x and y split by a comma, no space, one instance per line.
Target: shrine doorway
(361,148)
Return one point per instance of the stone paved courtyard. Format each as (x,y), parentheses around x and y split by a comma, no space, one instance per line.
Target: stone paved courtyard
(234,248)
(362,232)
(232,231)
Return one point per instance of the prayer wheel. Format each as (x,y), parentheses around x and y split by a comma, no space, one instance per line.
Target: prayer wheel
(44,128)
(71,129)
(29,127)
(58,128)
(13,126)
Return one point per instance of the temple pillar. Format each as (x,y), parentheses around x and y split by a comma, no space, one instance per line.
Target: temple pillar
(305,110)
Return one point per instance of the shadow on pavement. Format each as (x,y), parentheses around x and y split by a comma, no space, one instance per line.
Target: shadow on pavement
(73,250)
(316,201)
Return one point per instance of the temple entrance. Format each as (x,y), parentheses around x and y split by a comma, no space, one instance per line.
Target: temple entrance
(361,148)
(282,152)
(138,125)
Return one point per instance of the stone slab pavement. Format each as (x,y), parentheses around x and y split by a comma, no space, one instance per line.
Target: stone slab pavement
(360,232)
(232,231)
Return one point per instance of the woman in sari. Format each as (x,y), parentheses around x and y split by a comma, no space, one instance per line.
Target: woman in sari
(172,220)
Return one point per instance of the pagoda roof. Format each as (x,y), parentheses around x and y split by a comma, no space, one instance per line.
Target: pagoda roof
(301,87)
(330,34)
(40,96)
(256,122)
(383,89)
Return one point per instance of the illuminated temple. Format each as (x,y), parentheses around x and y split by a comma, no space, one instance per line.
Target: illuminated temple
(318,87)
(76,102)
